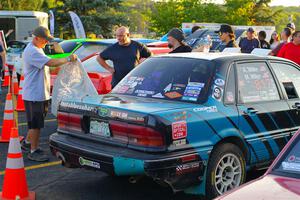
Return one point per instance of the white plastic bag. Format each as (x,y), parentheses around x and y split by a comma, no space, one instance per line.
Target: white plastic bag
(72,82)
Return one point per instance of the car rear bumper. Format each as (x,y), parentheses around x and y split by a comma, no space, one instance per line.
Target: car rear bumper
(178,169)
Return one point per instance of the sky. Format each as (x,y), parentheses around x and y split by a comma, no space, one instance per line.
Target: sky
(276,2)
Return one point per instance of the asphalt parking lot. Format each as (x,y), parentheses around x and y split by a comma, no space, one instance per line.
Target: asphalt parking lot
(52,181)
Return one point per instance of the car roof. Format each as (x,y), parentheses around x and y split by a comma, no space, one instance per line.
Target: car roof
(221,56)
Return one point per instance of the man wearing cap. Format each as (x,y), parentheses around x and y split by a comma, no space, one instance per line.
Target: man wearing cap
(227,36)
(175,41)
(36,89)
(125,55)
(249,43)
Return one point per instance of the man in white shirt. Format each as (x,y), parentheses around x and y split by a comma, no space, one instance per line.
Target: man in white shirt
(36,89)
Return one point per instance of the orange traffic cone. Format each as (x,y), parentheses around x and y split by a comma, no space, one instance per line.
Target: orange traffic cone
(15,184)
(15,86)
(6,77)
(20,103)
(8,119)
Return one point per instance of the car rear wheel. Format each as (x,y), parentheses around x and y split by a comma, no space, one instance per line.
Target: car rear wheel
(226,170)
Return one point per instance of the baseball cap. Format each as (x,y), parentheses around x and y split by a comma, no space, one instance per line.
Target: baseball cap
(176,33)
(291,26)
(225,28)
(43,32)
(251,30)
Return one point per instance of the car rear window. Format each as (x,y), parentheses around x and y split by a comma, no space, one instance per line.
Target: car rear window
(176,79)
(289,164)
(68,46)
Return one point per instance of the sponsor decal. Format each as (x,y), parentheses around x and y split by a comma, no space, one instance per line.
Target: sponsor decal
(173,95)
(144,92)
(188,167)
(217,93)
(73,105)
(136,118)
(179,130)
(103,112)
(209,109)
(192,91)
(219,82)
(85,162)
(117,114)
(158,95)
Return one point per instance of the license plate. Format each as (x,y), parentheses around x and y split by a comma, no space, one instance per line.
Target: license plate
(99,128)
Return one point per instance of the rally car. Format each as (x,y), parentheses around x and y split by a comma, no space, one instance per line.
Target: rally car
(194,121)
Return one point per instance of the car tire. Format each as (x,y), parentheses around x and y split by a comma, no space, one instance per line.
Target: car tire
(226,170)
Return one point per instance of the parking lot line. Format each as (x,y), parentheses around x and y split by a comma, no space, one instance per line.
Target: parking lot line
(38,166)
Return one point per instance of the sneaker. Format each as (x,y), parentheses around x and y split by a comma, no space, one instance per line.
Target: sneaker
(38,156)
(25,146)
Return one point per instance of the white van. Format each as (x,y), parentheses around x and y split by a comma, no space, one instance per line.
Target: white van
(22,22)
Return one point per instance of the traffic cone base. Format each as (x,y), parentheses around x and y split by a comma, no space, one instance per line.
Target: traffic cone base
(14,183)
(31,197)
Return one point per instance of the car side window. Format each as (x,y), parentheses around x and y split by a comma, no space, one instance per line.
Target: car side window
(229,97)
(289,78)
(256,83)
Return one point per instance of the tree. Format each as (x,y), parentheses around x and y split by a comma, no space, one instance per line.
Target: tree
(97,16)
(21,4)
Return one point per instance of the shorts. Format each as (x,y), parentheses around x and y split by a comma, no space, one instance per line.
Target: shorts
(36,112)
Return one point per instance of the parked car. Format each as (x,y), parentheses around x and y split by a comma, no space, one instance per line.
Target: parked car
(281,181)
(194,121)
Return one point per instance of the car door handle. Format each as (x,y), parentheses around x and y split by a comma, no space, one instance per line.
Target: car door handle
(296,106)
(250,111)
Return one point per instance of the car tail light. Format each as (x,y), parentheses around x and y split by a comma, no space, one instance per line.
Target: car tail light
(137,135)
(69,122)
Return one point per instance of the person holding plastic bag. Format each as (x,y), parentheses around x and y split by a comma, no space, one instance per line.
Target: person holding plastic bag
(36,89)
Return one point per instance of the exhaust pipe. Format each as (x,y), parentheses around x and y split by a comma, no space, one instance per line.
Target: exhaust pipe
(134,179)
(61,157)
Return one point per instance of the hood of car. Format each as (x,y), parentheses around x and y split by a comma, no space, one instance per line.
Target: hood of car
(269,187)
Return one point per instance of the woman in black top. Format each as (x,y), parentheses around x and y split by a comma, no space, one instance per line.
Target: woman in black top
(227,36)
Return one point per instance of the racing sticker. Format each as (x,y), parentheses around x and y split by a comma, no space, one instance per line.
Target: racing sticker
(158,95)
(217,93)
(173,95)
(209,109)
(179,130)
(117,114)
(168,88)
(192,91)
(144,93)
(103,112)
(85,162)
(219,82)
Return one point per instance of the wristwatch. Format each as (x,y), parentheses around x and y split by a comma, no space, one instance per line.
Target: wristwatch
(69,59)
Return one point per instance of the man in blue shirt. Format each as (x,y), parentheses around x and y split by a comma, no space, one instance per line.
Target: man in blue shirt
(36,89)
(249,43)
